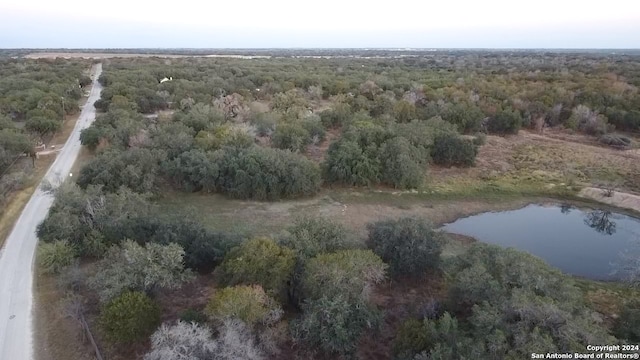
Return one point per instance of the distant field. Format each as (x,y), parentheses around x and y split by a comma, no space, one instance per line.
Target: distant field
(75,55)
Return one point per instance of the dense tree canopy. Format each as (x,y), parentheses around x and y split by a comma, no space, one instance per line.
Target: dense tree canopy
(262,262)
(410,246)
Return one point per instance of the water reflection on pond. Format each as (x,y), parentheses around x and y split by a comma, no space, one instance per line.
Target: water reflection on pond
(589,243)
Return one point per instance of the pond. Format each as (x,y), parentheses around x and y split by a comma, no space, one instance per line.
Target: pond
(593,244)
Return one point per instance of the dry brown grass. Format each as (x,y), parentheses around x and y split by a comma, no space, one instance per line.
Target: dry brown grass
(539,164)
(56,336)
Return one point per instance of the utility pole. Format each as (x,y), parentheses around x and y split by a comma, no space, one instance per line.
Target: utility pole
(62,97)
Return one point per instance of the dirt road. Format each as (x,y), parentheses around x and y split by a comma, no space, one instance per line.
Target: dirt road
(16,259)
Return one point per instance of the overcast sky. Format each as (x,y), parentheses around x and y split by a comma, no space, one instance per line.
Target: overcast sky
(324,23)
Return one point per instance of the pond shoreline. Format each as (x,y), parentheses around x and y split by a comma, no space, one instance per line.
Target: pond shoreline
(618,199)
(587,242)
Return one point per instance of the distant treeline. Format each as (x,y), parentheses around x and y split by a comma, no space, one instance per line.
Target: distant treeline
(366,52)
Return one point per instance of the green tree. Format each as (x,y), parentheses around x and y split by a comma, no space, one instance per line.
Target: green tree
(90,137)
(468,118)
(410,339)
(259,261)
(404,111)
(129,318)
(266,174)
(201,117)
(193,170)
(55,256)
(410,246)
(347,163)
(247,303)
(348,273)
(339,115)
(292,137)
(453,150)
(512,297)
(334,324)
(313,125)
(311,236)
(505,122)
(402,164)
(136,169)
(133,267)
(43,126)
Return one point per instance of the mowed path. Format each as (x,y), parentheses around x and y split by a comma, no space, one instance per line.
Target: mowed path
(16,259)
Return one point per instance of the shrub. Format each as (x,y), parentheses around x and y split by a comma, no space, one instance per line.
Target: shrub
(201,117)
(314,127)
(203,248)
(505,122)
(349,273)
(479,139)
(336,117)
(596,125)
(627,326)
(584,119)
(439,339)
(259,261)
(43,126)
(236,341)
(135,169)
(90,137)
(402,164)
(55,256)
(90,220)
(467,118)
(404,111)
(411,338)
(615,140)
(624,120)
(265,123)
(266,174)
(348,164)
(334,324)
(410,246)
(194,170)
(129,318)
(309,237)
(133,267)
(292,137)
(422,133)
(518,304)
(182,341)
(453,150)
(247,303)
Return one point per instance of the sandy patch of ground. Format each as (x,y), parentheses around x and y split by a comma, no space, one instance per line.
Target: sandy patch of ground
(618,199)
